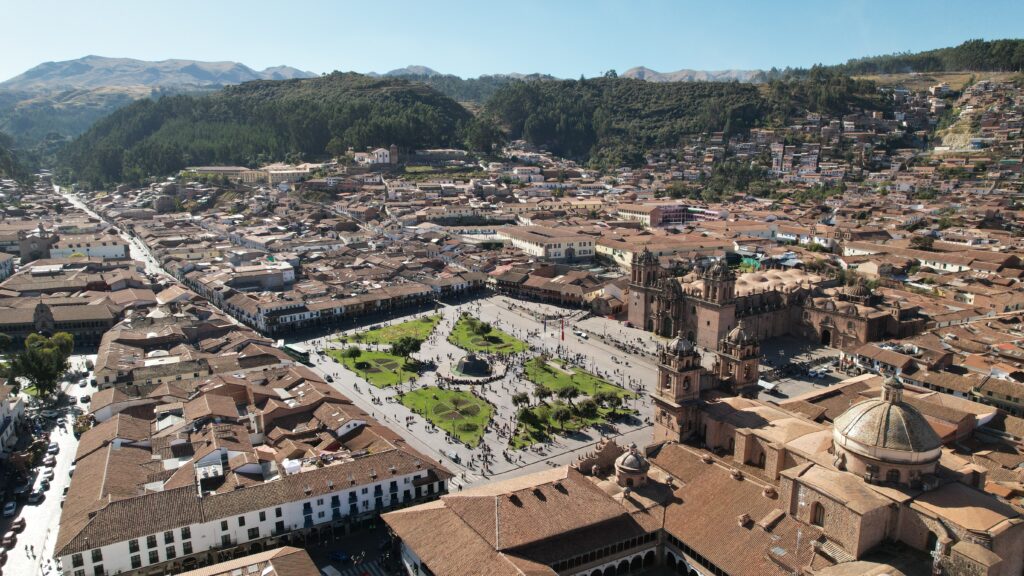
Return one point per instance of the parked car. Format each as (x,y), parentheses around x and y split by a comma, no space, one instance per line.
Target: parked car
(18,525)
(3,556)
(84,399)
(44,484)
(10,509)
(49,460)
(49,413)
(9,539)
(46,474)
(36,497)
(340,556)
(53,448)
(83,383)
(329,378)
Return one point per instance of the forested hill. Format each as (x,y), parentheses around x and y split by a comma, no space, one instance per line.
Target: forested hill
(971,56)
(613,121)
(470,90)
(262,121)
(11,165)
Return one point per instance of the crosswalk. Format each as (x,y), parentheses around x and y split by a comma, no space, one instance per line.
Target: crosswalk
(371,568)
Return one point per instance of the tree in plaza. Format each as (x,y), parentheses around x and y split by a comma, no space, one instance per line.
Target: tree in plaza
(587,408)
(526,416)
(568,393)
(406,345)
(542,392)
(352,353)
(482,328)
(5,342)
(520,399)
(614,401)
(43,361)
(561,414)
(603,397)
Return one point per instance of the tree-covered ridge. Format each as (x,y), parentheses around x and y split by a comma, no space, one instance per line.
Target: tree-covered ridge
(11,164)
(614,120)
(262,121)
(471,90)
(972,55)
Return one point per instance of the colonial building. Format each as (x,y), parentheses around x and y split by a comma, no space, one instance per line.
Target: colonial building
(704,305)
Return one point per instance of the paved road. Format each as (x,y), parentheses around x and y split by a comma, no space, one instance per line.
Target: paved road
(517,320)
(42,519)
(136,248)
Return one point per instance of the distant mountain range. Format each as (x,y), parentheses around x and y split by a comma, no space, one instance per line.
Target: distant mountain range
(98,71)
(685,75)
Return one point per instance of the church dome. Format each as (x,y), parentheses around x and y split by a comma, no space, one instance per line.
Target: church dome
(739,335)
(887,429)
(679,345)
(631,461)
(858,290)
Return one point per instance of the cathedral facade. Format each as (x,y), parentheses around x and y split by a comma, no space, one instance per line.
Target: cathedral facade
(705,305)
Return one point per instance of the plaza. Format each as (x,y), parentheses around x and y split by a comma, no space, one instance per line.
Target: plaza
(518,338)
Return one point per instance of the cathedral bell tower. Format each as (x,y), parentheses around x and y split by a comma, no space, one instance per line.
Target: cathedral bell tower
(737,365)
(677,393)
(719,283)
(644,275)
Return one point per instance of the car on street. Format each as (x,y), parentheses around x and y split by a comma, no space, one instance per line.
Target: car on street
(10,509)
(18,525)
(84,399)
(36,497)
(49,413)
(340,556)
(83,383)
(9,539)
(329,378)
(47,474)
(49,461)
(3,556)
(44,484)
(53,448)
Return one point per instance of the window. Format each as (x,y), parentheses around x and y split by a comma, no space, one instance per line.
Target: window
(277,512)
(279,527)
(817,514)
(223,524)
(168,537)
(154,557)
(98,570)
(171,553)
(225,540)
(263,516)
(254,533)
(136,561)
(366,490)
(186,533)
(79,572)
(319,501)
(97,555)
(241,521)
(186,548)
(892,475)
(76,560)
(133,546)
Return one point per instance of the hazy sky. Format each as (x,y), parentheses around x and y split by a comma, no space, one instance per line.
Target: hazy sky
(472,37)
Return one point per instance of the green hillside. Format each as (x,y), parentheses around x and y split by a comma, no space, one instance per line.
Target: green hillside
(261,121)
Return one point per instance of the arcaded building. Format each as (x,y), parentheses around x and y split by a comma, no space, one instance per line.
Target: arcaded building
(704,305)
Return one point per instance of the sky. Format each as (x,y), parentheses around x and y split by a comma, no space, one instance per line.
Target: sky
(564,38)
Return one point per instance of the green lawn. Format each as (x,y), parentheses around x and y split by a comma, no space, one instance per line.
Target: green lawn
(380,369)
(543,425)
(419,328)
(496,341)
(460,413)
(540,372)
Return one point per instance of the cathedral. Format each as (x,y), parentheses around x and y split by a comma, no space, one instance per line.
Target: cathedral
(705,305)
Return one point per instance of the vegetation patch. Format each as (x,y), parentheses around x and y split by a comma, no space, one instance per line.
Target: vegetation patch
(459,413)
(555,376)
(474,335)
(418,328)
(381,369)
